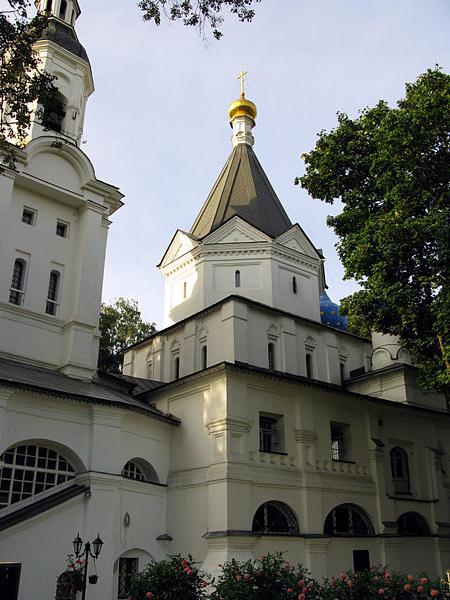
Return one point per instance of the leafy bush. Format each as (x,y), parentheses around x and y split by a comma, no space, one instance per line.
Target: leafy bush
(175,578)
(270,578)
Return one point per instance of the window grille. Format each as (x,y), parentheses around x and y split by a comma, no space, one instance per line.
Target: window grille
(400,471)
(268,434)
(17,281)
(337,441)
(275,518)
(52,296)
(348,519)
(412,523)
(132,471)
(30,470)
(128,567)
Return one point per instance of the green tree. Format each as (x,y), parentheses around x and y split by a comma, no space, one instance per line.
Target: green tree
(200,14)
(390,168)
(120,325)
(21,80)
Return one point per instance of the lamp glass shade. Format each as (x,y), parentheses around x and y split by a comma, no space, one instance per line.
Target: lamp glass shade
(77,545)
(97,545)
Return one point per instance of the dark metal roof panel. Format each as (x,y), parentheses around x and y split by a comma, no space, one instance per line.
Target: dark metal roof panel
(63,35)
(242,189)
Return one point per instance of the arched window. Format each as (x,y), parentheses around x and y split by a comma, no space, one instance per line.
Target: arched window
(53,293)
(17,282)
(54,111)
(400,471)
(139,470)
(309,365)
(63,9)
(294,285)
(348,519)
(29,470)
(412,523)
(204,352)
(276,518)
(237,279)
(271,356)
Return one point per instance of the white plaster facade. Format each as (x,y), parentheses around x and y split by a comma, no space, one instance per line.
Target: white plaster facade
(244,345)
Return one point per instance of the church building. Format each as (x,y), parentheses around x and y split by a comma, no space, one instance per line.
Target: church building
(254,422)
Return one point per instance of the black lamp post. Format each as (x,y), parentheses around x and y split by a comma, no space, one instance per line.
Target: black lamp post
(86,553)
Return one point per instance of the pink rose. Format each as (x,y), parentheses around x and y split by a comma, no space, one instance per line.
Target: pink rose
(149,595)
(188,571)
(301,583)
(419,589)
(410,578)
(387,576)
(424,581)
(246,576)
(301,597)
(434,593)
(289,590)
(407,587)
(381,592)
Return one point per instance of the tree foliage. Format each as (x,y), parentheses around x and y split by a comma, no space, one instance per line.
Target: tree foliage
(200,13)
(120,325)
(390,167)
(22,82)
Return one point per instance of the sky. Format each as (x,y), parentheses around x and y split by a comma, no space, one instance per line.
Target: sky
(157,124)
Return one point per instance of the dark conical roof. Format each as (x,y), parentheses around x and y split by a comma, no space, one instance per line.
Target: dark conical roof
(63,35)
(242,189)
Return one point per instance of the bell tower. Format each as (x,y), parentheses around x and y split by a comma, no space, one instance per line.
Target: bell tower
(62,55)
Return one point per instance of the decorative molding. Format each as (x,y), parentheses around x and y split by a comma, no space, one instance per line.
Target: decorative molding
(233,424)
(346,468)
(267,458)
(305,435)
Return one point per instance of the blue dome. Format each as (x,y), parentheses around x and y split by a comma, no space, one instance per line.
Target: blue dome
(329,313)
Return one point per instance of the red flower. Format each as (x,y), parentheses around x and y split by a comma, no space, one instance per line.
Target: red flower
(149,595)
(424,581)
(407,587)
(184,563)
(188,571)
(289,590)
(238,577)
(301,597)
(410,578)
(434,593)
(301,583)
(381,592)
(419,589)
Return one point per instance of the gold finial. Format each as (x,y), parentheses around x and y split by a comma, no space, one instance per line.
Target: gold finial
(241,76)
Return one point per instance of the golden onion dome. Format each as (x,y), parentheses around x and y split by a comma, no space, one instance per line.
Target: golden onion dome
(242,108)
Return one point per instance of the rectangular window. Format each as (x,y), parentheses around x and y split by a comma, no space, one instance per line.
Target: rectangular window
(361,561)
(337,441)
(29,216)
(128,567)
(270,433)
(53,293)
(16,292)
(62,229)
(9,580)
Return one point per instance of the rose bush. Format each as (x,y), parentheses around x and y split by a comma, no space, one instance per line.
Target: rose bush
(272,578)
(175,578)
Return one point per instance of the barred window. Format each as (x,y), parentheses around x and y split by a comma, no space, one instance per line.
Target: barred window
(412,523)
(29,470)
(348,519)
(132,471)
(53,293)
(337,431)
(400,471)
(276,518)
(17,283)
(271,356)
(128,567)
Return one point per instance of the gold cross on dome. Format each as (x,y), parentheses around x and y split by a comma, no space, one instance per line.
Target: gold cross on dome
(241,76)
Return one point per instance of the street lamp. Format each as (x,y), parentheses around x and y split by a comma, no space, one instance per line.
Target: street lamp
(86,553)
